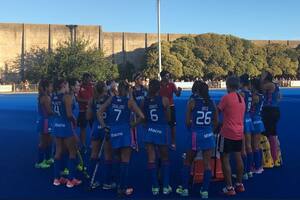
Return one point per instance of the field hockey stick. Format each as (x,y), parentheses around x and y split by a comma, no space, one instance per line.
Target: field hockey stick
(92,180)
(84,168)
(215,157)
(81,162)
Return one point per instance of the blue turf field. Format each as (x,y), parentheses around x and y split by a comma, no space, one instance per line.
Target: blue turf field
(20,180)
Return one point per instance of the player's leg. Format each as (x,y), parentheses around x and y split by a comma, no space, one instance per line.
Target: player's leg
(183,189)
(107,168)
(152,168)
(125,153)
(94,156)
(164,155)
(173,126)
(58,180)
(225,148)
(249,163)
(207,173)
(82,123)
(49,153)
(72,149)
(257,153)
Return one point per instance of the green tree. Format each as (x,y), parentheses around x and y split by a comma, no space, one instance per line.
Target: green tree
(67,60)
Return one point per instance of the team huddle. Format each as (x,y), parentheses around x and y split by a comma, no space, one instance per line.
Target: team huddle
(120,113)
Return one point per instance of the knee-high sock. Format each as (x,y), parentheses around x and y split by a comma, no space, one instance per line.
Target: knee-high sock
(166,173)
(249,162)
(260,157)
(92,166)
(186,173)
(206,180)
(72,168)
(257,159)
(116,171)
(48,152)
(64,161)
(107,169)
(153,174)
(124,175)
(273,147)
(41,155)
(244,158)
(57,168)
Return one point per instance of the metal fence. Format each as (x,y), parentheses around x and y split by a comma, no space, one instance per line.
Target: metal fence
(25,88)
(21,88)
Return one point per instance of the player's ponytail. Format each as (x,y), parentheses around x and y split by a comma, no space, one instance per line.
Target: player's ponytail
(123,88)
(99,89)
(43,85)
(203,92)
(154,87)
(256,85)
(58,84)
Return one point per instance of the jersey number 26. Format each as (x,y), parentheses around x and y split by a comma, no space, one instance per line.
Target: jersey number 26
(204,118)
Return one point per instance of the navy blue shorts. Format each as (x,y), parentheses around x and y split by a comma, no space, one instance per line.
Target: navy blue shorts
(201,140)
(97,132)
(121,136)
(62,128)
(156,134)
(258,125)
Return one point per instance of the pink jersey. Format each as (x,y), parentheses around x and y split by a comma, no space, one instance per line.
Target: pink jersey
(232,106)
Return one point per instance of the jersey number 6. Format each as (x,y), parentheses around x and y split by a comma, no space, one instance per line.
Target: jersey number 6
(153,115)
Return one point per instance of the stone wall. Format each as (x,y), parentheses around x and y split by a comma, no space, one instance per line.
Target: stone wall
(120,47)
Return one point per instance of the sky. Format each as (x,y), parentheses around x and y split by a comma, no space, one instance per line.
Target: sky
(249,19)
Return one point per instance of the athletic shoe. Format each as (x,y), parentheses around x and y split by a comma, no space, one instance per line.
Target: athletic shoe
(125,192)
(179,189)
(95,185)
(245,176)
(250,174)
(56,182)
(182,192)
(167,190)
(50,161)
(204,194)
(109,186)
(259,171)
(228,191)
(155,191)
(60,181)
(239,187)
(65,172)
(80,167)
(73,182)
(277,163)
(42,165)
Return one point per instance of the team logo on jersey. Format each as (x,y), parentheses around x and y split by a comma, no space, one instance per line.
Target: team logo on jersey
(60,125)
(208,135)
(205,108)
(116,134)
(156,131)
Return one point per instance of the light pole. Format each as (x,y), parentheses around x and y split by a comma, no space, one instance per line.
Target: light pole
(158,34)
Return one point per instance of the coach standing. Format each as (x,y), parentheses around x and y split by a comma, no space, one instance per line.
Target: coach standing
(84,95)
(167,89)
(232,106)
